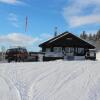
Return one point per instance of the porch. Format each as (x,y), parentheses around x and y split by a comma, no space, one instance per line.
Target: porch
(64,51)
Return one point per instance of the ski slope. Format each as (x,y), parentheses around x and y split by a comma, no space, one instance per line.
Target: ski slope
(57,80)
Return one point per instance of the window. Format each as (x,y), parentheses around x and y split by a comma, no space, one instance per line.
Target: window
(80,50)
(69,38)
(57,49)
(69,50)
(48,50)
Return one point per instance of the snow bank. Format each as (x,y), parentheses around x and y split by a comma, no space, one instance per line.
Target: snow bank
(57,80)
(98,55)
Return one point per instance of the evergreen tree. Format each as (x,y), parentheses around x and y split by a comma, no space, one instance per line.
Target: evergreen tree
(94,37)
(90,37)
(83,35)
(98,35)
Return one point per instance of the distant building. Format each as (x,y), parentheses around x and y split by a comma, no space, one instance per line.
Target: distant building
(66,45)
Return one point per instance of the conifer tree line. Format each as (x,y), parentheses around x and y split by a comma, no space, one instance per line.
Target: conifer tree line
(92,38)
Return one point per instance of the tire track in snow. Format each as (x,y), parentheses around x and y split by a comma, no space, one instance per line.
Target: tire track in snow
(32,89)
(67,78)
(14,93)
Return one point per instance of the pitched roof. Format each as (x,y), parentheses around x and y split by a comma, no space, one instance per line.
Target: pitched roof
(63,35)
(57,37)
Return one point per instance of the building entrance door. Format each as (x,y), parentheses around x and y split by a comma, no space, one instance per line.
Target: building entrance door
(69,53)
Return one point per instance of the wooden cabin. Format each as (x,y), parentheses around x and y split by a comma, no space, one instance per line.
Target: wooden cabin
(66,45)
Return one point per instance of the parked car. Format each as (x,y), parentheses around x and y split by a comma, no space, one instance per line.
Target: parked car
(91,54)
(16,54)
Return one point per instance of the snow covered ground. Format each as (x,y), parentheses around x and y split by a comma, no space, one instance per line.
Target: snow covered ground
(57,80)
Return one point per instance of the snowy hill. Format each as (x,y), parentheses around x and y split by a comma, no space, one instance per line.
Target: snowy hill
(58,80)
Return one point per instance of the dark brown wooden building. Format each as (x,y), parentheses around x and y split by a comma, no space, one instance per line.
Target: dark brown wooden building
(65,44)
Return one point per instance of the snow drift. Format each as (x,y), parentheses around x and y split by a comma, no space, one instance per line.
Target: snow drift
(58,80)
(98,55)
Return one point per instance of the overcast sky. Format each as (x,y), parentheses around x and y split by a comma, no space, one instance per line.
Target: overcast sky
(43,15)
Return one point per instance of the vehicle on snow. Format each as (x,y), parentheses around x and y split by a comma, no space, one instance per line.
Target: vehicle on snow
(91,54)
(16,54)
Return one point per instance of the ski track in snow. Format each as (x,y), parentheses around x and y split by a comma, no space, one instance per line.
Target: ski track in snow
(11,91)
(57,80)
(67,78)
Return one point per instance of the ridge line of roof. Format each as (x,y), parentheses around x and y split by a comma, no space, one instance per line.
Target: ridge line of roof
(61,35)
(76,37)
(66,32)
(58,37)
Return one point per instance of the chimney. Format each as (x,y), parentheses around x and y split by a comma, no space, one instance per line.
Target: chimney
(55,31)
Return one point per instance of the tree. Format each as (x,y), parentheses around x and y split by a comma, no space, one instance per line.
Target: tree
(94,37)
(83,35)
(90,37)
(98,35)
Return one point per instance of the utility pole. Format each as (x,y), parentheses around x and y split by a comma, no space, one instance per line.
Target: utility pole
(26,24)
